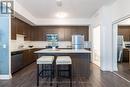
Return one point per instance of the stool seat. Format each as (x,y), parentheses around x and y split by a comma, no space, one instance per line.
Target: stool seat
(63,60)
(45,60)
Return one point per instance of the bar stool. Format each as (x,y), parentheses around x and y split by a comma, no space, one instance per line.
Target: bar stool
(64,61)
(45,60)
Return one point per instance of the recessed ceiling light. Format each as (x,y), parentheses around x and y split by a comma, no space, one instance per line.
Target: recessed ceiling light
(61,14)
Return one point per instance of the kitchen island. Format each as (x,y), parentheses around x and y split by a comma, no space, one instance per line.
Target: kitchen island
(80,59)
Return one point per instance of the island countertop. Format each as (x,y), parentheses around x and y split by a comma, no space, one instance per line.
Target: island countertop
(63,51)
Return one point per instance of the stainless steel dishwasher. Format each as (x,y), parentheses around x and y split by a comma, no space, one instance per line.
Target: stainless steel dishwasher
(16,61)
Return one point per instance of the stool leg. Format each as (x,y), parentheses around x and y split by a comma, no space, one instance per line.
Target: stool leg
(51,75)
(70,74)
(53,71)
(37,74)
(42,72)
(57,76)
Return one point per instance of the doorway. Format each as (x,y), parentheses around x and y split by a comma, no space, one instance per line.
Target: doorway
(121,47)
(96,46)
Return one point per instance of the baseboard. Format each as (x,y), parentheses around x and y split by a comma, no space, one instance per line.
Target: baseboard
(5,77)
(107,69)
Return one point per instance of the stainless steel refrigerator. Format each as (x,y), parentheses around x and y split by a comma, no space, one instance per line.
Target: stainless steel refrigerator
(78,41)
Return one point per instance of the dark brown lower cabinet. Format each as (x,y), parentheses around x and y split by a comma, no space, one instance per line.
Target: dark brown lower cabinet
(26,58)
(29,56)
(21,59)
(126,55)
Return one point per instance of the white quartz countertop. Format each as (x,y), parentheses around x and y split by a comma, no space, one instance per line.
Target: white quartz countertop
(21,49)
(63,51)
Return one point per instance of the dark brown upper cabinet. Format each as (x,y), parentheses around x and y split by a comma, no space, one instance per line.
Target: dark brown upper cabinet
(38,33)
(61,33)
(20,27)
(125,31)
(83,30)
(64,32)
(67,33)
(31,33)
(13,28)
(27,32)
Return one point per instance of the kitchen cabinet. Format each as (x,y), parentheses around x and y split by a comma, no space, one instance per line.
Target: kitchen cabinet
(13,28)
(20,59)
(64,32)
(31,33)
(61,33)
(68,35)
(26,58)
(38,34)
(29,56)
(27,32)
(20,27)
(125,31)
(126,55)
(81,30)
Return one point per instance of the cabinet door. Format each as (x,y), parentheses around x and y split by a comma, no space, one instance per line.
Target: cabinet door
(19,26)
(38,34)
(35,34)
(81,64)
(33,56)
(126,55)
(84,31)
(68,36)
(61,33)
(13,28)
(25,58)
(81,30)
(27,32)
(31,33)
(125,31)
(49,30)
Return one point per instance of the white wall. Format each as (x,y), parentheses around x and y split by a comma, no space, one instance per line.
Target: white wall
(105,17)
(97,19)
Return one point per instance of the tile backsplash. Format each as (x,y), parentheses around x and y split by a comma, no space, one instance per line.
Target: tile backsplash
(15,44)
(40,44)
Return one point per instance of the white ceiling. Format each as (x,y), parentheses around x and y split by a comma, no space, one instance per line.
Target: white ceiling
(74,8)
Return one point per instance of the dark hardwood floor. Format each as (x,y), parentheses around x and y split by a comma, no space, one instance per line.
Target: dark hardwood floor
(27,78)
(124,70)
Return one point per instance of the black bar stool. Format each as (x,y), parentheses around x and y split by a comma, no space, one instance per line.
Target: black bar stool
(45,62)
(63,61)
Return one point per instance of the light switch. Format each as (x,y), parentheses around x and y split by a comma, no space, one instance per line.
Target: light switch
(4,45)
